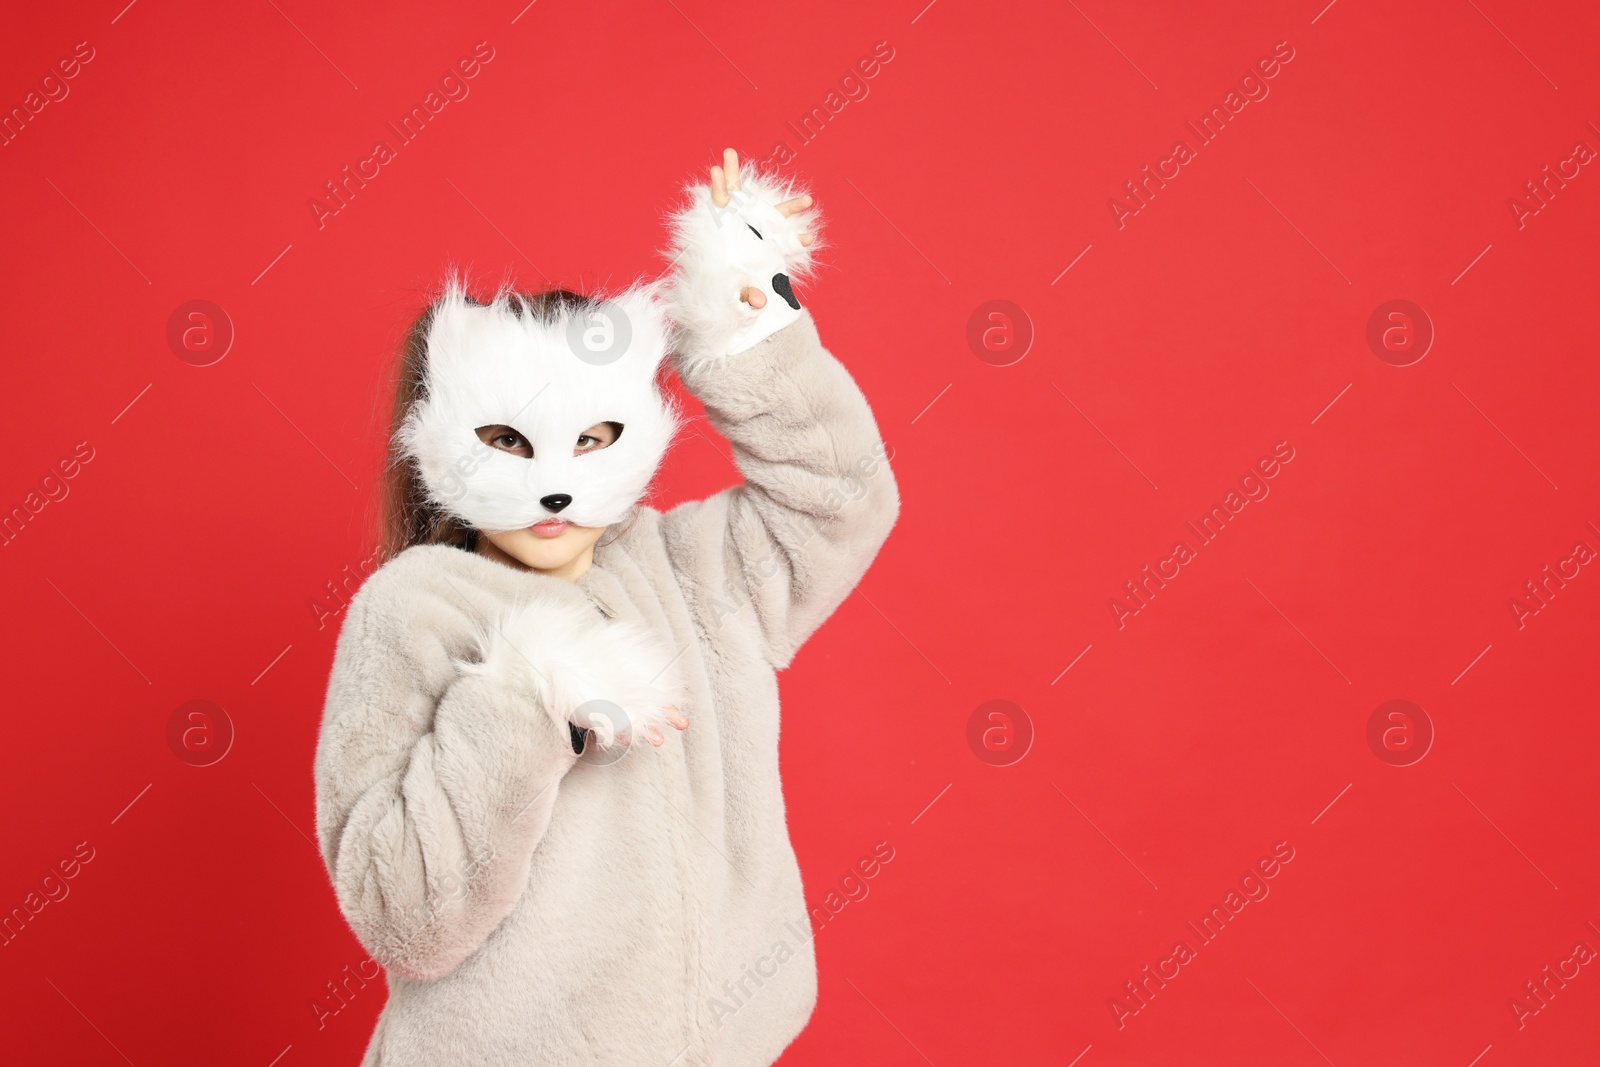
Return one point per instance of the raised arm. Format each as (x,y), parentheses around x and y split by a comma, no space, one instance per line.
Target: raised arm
(436,767)
(818,498)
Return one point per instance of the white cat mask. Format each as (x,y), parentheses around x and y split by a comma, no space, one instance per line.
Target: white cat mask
(550,381)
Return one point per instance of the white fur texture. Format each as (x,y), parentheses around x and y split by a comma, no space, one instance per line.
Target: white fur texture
(550,382)
(715,256)
(612,676)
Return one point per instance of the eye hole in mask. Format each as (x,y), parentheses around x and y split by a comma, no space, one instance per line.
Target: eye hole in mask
(600,435)
(508,439)
(505,439)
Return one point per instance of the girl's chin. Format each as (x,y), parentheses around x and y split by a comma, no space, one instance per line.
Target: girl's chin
(559,547)
(545,555)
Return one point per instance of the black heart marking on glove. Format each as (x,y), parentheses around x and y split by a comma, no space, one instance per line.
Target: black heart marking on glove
(780,285)
(756,232)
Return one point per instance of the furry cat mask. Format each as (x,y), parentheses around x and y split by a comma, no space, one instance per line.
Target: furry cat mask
(549,377)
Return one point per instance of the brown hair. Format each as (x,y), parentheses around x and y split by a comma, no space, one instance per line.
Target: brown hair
(406,516)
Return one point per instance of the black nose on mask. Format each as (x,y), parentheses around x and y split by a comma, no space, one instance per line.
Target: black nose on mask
(555,501)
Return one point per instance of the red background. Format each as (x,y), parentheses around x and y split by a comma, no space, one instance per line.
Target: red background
(1223,718)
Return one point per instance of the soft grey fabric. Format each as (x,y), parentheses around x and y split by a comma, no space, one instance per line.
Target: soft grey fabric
(635,906)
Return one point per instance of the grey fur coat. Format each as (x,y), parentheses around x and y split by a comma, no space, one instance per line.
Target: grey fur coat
(638,906)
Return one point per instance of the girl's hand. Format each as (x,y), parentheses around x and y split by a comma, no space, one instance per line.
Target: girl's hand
(737,244)
(677,718)
(578,667)
(614,724)
(725,179)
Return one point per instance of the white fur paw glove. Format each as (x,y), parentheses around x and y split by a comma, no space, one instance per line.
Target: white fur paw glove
(719,251)
(610,676)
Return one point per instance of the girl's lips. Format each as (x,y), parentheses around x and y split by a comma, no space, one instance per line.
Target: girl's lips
(550,527)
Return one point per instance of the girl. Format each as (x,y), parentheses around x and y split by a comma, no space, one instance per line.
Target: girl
(540,888)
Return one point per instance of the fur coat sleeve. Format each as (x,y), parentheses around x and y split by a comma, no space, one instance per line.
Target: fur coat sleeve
(818,497)
(436,768)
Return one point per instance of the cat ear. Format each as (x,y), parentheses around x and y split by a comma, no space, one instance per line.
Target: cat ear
(460,323)
(641,310)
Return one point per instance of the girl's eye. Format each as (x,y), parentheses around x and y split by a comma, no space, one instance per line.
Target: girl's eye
(588,442)
(756,232)
(503,438)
